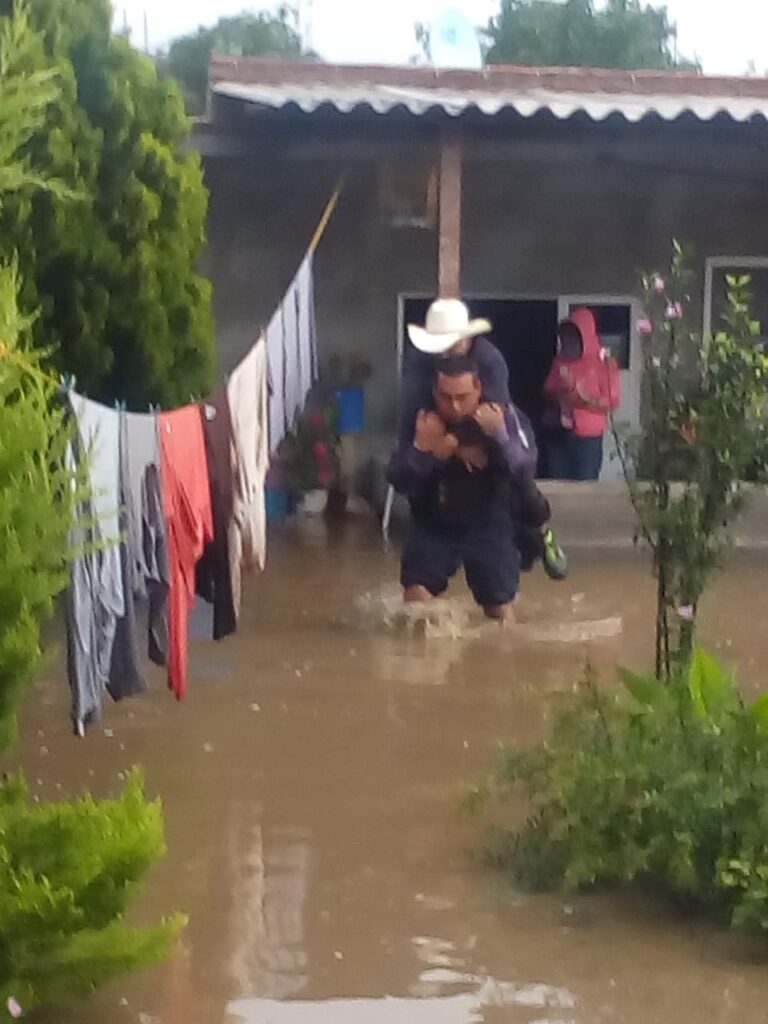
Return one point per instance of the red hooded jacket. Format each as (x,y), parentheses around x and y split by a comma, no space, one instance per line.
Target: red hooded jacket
(596,375)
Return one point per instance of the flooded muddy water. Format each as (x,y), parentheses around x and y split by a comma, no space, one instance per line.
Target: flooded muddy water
(310,784)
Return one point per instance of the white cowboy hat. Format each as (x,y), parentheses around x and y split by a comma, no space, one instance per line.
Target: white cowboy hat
(447,324)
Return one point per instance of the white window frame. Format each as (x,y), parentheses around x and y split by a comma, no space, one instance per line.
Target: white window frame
(630,377)
(403,297)
(629,410)
(565,302)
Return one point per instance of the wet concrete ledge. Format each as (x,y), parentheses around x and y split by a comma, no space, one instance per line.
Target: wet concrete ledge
(600,515)
(593,515)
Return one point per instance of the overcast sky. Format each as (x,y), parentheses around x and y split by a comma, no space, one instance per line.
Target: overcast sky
(727,35)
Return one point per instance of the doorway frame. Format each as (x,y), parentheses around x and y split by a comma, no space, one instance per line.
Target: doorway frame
(403,297)
(562,300)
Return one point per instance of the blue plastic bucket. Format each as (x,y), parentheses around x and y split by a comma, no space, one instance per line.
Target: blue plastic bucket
(350,405)
(276,500)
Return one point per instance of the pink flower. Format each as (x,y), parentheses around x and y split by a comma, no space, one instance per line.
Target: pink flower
(321,451)
(658,283)
(686,613)
(674,311)
(14,1010)
(644,325)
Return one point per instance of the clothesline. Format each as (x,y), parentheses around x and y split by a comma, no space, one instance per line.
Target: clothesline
(176,506)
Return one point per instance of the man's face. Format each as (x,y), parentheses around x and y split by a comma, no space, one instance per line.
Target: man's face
(457,398)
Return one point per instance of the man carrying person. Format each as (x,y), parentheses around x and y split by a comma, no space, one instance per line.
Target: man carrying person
(448,333)
(462,469)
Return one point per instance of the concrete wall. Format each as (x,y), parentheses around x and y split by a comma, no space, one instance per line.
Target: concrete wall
(542,217)
(261,221)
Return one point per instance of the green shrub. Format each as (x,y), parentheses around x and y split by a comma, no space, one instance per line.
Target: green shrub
(664,783)
(67,871)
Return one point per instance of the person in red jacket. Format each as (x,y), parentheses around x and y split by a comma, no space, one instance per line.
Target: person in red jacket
(584,387)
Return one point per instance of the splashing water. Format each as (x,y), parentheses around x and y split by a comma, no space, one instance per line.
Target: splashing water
(442,618)
(459,618)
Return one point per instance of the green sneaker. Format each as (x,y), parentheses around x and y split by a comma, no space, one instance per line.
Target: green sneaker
(555,559)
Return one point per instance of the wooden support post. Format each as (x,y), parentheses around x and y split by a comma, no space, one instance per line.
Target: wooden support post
(449,283)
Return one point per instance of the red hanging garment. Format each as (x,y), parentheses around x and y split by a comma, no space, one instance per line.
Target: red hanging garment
(187,504)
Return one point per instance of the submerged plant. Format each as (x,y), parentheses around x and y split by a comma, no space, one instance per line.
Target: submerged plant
(657,782)
(703,435)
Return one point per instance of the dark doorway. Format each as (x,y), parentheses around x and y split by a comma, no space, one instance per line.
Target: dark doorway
(524,331)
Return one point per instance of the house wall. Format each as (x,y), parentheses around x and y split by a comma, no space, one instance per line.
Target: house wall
(539,219)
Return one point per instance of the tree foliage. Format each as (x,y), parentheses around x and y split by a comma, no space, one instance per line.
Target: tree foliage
(113,274)
(243,35)
(36,492)
(575,33)
(67,870)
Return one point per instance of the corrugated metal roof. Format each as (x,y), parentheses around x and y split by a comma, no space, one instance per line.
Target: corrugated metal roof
(272,85)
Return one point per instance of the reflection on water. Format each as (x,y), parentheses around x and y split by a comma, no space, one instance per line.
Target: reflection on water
(269,886)
(462,1008)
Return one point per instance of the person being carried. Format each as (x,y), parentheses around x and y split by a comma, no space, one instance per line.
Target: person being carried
(460,470)
(449,333)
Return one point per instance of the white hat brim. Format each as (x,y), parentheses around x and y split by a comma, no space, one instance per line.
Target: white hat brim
(438,344)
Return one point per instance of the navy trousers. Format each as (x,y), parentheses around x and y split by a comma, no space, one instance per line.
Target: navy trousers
(488,553)
(574,458)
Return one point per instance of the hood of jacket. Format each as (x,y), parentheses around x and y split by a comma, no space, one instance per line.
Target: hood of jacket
(584,321)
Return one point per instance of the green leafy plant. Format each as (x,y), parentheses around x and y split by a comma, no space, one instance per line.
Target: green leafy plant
(703,435)
(67,870)
(664,782)
(658,783)
(67,874)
